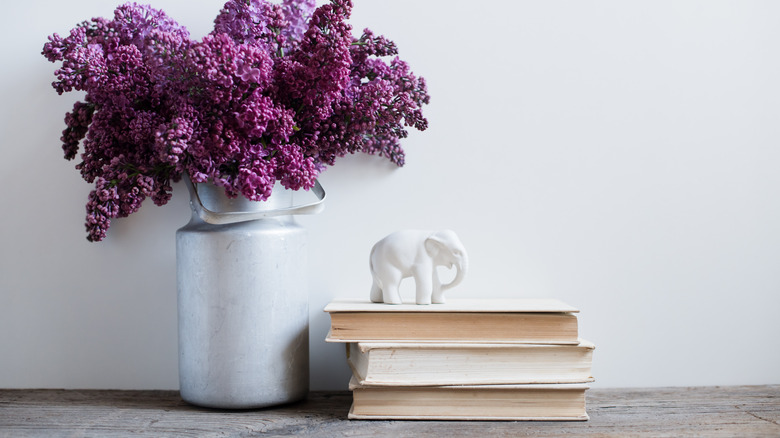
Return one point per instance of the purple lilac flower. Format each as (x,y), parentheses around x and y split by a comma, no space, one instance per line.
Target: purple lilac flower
(101,207)
(297,14)
(77,122)
(252,22)
(137,25)
(275,93)
(294,169)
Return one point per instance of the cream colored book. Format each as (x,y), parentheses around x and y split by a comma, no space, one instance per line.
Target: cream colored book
(562,402)
(544,321)
(430,364)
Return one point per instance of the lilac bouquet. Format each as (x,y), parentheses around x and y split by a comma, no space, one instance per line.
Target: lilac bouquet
(274,93)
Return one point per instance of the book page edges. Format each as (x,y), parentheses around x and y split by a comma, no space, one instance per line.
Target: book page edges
(576,387)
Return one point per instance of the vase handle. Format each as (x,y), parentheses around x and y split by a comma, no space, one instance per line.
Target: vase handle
(216,218)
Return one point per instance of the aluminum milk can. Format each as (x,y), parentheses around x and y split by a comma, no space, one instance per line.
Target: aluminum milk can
(243,300)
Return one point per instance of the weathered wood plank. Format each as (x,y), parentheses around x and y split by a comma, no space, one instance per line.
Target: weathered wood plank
(699,411)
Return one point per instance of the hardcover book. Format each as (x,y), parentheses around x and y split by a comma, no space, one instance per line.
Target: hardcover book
(544,321)
(561,402)
(432,364)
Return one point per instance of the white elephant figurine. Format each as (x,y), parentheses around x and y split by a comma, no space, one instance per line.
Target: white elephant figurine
(415,253)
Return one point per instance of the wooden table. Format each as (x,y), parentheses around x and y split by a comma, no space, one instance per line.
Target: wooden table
(743,411)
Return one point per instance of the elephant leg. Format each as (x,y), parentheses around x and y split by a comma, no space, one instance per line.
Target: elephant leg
(437,296)
(391,295)
(376,292)
(424,285)
(390,281)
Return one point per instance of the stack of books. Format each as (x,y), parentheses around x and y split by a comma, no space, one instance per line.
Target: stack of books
(512,359)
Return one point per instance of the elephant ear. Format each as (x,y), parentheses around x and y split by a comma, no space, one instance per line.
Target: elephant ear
(434,244)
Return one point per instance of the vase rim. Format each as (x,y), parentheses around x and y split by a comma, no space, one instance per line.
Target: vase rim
(214,198)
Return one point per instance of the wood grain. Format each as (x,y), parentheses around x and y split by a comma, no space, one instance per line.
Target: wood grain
(657,412)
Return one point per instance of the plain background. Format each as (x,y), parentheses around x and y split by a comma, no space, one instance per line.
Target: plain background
(620,156)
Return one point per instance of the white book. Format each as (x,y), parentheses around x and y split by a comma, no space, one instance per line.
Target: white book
(430,364)
(541,321)
(561,402)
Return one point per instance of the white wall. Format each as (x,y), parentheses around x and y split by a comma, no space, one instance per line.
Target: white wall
(620,156)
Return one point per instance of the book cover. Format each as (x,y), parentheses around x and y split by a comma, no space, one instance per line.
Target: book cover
(560,402)
(430,364)
(546,321)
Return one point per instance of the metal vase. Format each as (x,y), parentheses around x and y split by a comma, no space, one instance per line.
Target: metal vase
(243,300)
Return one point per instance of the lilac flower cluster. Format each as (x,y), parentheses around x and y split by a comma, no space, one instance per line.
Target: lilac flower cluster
(275,93)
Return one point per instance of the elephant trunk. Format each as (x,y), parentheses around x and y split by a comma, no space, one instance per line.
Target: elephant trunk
(462,267)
